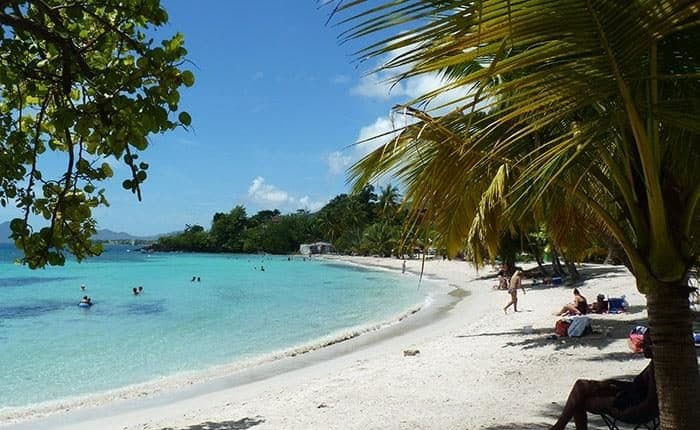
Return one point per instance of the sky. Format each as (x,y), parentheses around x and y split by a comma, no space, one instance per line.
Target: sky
(277,107)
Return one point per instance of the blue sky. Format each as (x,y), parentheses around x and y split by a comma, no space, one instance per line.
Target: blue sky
(276,103)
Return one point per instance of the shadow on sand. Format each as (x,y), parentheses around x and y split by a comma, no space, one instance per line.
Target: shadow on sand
(586,273)
(242,424)
(548,414)
(605,331)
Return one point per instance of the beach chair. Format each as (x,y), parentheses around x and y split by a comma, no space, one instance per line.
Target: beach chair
(614,423)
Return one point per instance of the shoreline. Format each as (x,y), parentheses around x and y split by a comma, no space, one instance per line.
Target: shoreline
(472,361)
(187,384)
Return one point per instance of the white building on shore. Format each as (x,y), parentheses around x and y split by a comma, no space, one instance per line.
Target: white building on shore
(315,248)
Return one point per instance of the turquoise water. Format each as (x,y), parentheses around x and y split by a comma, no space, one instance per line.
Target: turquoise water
(52,349)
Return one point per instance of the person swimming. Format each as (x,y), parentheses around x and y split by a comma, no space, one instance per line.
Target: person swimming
(140,289)
(83,287)
(136,291)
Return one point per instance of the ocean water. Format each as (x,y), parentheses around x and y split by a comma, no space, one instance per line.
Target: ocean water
(52,349)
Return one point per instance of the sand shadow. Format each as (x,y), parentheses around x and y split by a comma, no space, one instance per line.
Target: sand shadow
(605,332)
(549,414)
(242,424)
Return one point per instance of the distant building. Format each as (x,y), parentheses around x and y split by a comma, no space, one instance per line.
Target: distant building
(315,248)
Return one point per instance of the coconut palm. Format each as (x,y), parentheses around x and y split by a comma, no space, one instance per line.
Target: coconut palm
(583,115)
(380,239)
(388,201)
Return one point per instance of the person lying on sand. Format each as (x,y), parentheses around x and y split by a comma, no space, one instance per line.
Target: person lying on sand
(578,306)
(633,402)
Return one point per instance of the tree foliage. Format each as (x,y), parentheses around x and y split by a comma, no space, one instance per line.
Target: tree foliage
(86,81)
(352,223)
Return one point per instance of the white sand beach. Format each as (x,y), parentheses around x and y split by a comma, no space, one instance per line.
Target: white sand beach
(477,369)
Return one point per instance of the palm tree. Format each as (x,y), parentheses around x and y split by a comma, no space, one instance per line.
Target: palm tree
(380,239)
(388,201)
(582,115)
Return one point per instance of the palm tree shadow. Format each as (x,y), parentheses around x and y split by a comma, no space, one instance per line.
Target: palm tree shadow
(605,332)
(242,424)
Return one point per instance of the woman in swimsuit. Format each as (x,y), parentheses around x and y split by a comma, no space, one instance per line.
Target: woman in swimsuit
(578,307)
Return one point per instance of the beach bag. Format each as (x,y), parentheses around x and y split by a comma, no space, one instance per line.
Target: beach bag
(561,328)
(579,326)
(635,339)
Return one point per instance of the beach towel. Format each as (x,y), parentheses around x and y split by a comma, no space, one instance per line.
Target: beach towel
(579,326)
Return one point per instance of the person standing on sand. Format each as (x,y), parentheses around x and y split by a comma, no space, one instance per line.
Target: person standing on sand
(403,266)
(515,282)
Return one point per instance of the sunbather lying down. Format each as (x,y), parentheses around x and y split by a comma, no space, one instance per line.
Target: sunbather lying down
(633,402)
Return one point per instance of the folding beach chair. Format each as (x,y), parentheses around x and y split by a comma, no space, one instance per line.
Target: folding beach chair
(613,423)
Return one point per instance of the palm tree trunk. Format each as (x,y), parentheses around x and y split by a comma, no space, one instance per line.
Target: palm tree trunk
(537,253)
(556,263)
(675,360)
(573,273)
(609,257)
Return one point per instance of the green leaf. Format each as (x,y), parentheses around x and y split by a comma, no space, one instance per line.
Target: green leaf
(107,170)
(188,78)
(185,118)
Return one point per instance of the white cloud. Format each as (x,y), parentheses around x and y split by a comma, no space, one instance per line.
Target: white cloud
(380,86)
(338,162)
(268,196)
(370,137)
(379,133)
(312,206)
(340,79)
(263,193)
(376,86)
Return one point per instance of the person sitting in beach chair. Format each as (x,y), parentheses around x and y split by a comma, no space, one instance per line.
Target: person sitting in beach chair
(632,402)
(579,306)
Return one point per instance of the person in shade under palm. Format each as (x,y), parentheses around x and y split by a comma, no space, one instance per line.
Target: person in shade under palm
(634,402)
